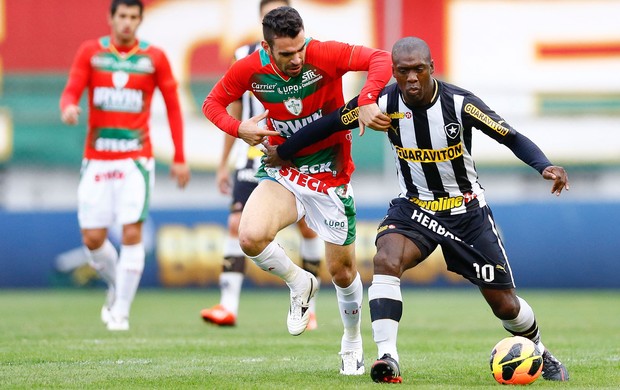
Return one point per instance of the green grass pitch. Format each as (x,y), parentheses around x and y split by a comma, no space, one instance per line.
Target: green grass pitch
(53,339)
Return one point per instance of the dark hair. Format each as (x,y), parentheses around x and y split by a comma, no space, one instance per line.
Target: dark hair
(265,2)
(129,3)
(282,22)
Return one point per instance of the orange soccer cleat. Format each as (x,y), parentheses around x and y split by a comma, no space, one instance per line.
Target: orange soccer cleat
(218,315)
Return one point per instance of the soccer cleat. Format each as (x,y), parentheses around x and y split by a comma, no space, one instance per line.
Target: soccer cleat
(298,314)
(352,363)
(312,324)
(386,370)
(118,324)
(218,315)
(553,369)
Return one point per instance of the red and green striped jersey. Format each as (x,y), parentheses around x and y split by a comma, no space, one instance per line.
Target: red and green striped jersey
(121,82)
(295,101)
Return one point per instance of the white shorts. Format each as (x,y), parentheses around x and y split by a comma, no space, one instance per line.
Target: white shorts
(329,211)
(114,191)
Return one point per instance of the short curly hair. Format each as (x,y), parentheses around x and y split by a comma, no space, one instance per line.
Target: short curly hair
(282,22)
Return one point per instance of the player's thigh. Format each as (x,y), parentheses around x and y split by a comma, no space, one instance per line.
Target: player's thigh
(95,195)
(134,190)
(395,254)
(270,208)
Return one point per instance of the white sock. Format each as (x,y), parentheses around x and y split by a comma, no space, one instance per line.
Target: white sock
(232,248)
(128,275)
(350,305)
(230,286)
(525,324)
(385,301)
(103,260)
(274,260)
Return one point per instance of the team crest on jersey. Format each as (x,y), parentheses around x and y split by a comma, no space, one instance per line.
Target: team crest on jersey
(119,79)
(452,130)
(293,105)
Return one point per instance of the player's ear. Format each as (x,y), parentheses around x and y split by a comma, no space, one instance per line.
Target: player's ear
(432,67)
(265,46)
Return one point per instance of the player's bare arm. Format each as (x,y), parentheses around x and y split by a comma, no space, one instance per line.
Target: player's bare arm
(180,172)
(372,117)
(559,177)
(250,132)
(70,114)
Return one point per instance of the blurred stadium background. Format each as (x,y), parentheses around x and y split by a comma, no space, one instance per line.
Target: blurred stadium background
(549,67)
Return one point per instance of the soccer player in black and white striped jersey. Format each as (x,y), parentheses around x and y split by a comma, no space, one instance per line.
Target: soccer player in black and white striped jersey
(441,201)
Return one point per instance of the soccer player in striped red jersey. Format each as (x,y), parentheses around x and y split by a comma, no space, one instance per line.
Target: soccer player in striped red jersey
(298,80)
(243,183)
(121,74)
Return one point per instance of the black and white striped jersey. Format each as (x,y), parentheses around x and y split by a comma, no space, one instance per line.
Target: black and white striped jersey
(432,146)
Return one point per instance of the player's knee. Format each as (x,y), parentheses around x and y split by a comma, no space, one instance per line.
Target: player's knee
(506,309)
(93,241)
(387,265)
(252,244)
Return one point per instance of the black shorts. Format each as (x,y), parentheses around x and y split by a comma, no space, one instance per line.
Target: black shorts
(470,242)
(244,183)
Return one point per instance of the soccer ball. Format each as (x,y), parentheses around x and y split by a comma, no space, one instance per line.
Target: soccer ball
(516,361)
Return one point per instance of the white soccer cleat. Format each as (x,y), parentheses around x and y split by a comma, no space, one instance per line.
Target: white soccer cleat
(298,314)
(352,362)
(118,324)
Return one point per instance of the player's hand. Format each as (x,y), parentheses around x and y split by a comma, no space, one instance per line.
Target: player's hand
(559,177)
(250,132)
(222,179)
(180,172)
(70,114)
(272,159)
(371,116)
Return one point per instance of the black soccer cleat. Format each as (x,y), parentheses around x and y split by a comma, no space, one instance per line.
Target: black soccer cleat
(386,370)
(553,369)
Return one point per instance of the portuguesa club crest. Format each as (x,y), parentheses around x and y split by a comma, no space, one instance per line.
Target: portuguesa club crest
(293,105)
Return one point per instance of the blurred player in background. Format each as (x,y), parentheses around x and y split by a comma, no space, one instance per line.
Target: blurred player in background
(441,201)
(117,174)
(298,80)
(244,182)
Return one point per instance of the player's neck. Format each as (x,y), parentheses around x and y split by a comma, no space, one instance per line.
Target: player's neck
(124,43)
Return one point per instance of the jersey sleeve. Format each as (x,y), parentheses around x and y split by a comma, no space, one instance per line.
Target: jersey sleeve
(478,115)
(344,118)
(79,75)
(228,89)
(378,64)
(169,90)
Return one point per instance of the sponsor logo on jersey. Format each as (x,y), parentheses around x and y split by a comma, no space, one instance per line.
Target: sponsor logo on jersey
(485,119)
(303,180)
(430,155)
(316,168)
(310,77)
(117,145)
(452,130)
(350,116)
(288,128)
(135,64)
(263,88)
(293,105)
(445,203)
(118,99)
